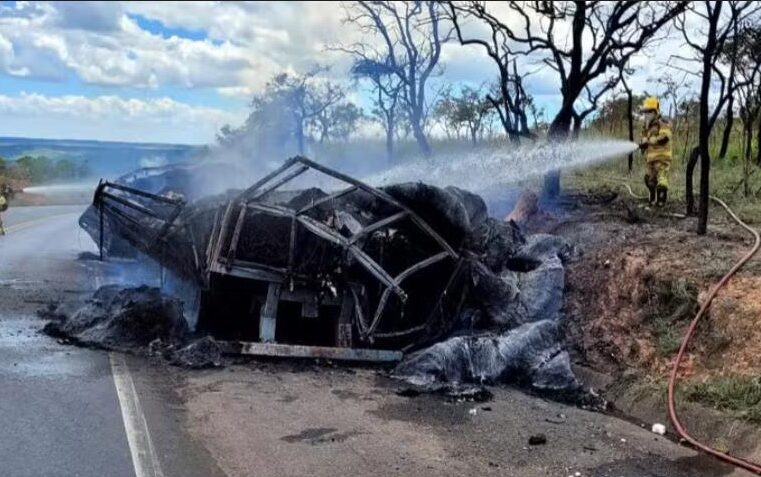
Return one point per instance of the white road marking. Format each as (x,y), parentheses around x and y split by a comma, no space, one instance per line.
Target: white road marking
(144,457)
(29,223)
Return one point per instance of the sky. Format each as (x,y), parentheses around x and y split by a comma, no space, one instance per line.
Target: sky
(175,72)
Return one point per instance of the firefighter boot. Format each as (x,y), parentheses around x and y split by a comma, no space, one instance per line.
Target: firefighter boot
(651,188)
(662,195)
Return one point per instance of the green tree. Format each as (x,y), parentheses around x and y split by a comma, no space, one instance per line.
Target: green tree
(83,169)
(36,169)
(64,169)
(465,110)
(338,121)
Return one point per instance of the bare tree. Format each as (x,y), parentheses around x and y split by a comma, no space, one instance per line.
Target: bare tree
(386,91)
(746,45)
(511,99)
(617,30)
(672,88)
(730,55)
(282,113)
(411,36)
(716,23)
(590,103)
(623,72)
(308,99)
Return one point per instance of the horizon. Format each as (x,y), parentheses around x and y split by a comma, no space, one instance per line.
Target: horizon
(31,138)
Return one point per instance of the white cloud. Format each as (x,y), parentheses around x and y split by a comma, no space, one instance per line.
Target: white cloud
(92,16)
(110,118)
(101,44)
(8,58)
(236,91)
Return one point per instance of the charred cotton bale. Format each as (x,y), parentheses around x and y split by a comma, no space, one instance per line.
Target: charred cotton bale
(528,354)
(121,318)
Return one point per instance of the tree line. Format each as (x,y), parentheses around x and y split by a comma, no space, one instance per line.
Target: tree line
(40,169)
(587,46)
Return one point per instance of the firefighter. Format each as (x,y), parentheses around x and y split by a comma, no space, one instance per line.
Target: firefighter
(656,145)
(4,197)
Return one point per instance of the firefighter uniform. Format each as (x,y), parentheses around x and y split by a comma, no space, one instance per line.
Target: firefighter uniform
(656,144)
(3,208)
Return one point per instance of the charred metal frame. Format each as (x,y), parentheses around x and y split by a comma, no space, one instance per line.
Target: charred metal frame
(250,200)
(103,198)
(218,258)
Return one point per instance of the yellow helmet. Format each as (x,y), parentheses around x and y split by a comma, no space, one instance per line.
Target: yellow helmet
(651,103)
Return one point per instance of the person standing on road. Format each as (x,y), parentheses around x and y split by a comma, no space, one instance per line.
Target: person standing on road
(4,196)
(656,145)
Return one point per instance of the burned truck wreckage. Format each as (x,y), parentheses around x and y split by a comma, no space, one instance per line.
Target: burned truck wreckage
(353,272)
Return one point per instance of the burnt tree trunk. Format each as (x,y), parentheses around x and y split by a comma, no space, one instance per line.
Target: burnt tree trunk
(747,154)
(705,125)
(727,129)
(758,144)
(749,142)
(390,128)
(419,134)
(300,137)
(630,120)
(572,87)
(558,132)
(689,194)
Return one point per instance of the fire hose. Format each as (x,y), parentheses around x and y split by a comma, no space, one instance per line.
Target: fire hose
(678,426)
(736,461)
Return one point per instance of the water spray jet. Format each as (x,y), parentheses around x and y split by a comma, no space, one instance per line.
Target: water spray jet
(480,170)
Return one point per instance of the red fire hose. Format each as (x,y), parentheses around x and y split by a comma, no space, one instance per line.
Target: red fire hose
(736,461)
(723,456)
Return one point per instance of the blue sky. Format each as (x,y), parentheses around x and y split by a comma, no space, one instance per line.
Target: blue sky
(177,71)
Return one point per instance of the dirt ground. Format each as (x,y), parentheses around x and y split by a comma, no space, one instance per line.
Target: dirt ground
(638,279)
(635,285)
(280,419)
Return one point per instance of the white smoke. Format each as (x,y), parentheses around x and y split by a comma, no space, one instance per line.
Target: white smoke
(153,161)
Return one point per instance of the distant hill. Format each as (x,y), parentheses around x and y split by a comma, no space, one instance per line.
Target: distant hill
(103,158)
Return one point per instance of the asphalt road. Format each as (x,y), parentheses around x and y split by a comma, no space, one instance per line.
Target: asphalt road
(60,414)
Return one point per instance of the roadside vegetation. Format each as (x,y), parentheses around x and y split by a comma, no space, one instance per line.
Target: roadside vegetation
(740,396)
(30,170)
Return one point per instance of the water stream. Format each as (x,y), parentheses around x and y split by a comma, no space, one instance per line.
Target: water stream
(482,169)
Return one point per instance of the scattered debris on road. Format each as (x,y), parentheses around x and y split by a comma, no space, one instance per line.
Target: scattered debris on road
(537,440)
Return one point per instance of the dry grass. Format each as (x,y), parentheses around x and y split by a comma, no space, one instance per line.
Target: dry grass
(726,182)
